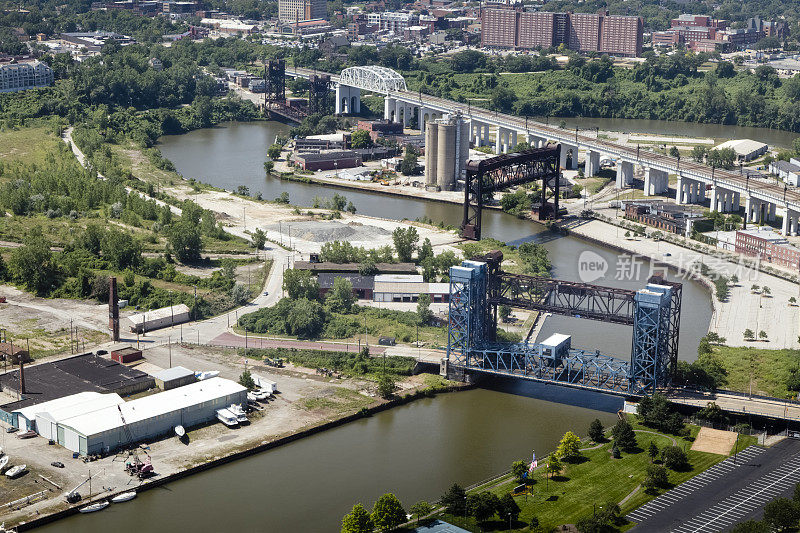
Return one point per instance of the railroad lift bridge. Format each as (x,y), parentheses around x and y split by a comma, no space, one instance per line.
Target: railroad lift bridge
(478,287)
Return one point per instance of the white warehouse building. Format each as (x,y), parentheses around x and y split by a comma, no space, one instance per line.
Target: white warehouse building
(159,318)
(91,430)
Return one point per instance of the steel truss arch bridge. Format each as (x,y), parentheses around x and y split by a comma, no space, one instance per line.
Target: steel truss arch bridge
(373,78)
(478,287)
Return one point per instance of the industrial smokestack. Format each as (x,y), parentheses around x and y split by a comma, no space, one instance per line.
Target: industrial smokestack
(113,309)
(21,377)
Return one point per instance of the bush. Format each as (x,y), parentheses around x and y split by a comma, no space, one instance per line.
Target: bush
(675,458)
(656,478)
(623,435)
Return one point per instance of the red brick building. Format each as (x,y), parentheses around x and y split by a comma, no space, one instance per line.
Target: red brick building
(504,27)
(769,246)
(380,128)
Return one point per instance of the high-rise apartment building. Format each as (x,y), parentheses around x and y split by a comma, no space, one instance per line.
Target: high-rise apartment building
(297,10)
(583,32)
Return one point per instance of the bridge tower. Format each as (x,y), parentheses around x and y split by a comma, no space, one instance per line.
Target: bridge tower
(467,310)
(319,94)
(275,81)
(650,353)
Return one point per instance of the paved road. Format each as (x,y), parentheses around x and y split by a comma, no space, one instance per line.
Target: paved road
(726,494)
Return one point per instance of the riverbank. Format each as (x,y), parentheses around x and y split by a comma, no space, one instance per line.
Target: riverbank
(306,405)
(743,309)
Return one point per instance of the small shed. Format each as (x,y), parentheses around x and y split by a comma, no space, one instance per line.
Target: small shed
(174,377)
(128,354)
(14,354)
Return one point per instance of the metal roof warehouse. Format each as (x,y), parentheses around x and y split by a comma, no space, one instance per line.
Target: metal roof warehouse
(146,418)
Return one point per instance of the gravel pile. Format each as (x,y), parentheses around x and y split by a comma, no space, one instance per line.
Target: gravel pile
(326,231)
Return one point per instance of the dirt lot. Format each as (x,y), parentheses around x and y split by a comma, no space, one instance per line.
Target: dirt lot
(46,322)
(304,399)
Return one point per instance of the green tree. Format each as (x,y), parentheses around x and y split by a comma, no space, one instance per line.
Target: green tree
(186,242)
(749,335)
(121,249)
(274,151)
(569,448)
(518,470)
(508,507)
(405,242)
(259,239)
(360,139)
(453,500)
(420,509)
(553,465)
(504,312)
(386,386)
(246,380)
(699,153)
(388,512)
(482,505)
(675,458)
(652,451)
(306,319)
(408,166)
(623,435)
(597,431)
(357,521)
(341,298)
(655,478)
(34,266)
(269,166)
(300,284)
(424,313)
(425,251)
(750,526)
(721,287)
(781,514)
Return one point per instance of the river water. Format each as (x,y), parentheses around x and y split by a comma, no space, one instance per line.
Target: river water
(415,451)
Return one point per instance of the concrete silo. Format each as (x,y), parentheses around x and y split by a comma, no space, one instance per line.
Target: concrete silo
(446,155)
(431,145)
(446,151)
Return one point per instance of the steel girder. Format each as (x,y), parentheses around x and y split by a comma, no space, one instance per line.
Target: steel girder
(675,318)
(275,80)
(507,170)
(320,99)
(650,343)
(373,78)
(581,300)
(579,368)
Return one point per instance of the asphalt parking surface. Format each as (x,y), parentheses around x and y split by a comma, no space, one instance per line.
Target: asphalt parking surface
(726,494)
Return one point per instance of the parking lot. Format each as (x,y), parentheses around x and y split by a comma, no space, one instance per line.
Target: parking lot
(730,492)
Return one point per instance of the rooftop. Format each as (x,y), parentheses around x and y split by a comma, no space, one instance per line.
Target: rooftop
(327,266)
(358,281)
(742,146)
(399,278)
(153,405)
(79,373)
(156,314)
(176,372)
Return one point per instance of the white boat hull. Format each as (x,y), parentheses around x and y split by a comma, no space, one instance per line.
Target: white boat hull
(16,471)
(180,431)
(124,497)
(94,507)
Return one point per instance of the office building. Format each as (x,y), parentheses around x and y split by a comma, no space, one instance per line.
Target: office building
(297,10)
(392,21)
(582,32)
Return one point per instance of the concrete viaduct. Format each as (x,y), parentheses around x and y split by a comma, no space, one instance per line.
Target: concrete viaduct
(696,182)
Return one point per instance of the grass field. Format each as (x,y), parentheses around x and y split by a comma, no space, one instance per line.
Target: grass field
(769,369)
(31,144)
(593,482)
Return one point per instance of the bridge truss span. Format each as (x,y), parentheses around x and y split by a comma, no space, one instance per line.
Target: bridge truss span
(373,78)
(570,298)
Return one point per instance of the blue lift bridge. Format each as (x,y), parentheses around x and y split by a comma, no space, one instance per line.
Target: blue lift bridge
(478,287)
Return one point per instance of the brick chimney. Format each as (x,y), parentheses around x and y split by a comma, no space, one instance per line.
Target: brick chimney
(21,377)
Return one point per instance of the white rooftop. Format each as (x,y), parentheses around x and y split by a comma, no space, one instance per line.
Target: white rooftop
(742,146)
(555,340)
(176,372)
(67,401)
(156,314)
(399,278)
(65,412)
(154,405)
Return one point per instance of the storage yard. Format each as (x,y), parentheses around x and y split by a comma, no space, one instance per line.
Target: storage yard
(90,422)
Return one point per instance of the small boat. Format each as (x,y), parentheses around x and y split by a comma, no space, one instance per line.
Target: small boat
(27,435)
(227,418)
(99,506)
(237,410)
(16,471)
(4,462)
(208,374)
(124,497)
(179,431)
(261,394)
(251,397)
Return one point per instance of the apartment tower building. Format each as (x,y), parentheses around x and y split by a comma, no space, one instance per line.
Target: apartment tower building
(298,10)
(504,27)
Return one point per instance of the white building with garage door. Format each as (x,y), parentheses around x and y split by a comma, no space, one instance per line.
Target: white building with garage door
(148,418)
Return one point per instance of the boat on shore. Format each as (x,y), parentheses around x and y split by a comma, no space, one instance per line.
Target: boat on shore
(4,462)
(208,374)
(237,410)
(227,418)
(180,431)
(16,471)
(124,497)
(99,506)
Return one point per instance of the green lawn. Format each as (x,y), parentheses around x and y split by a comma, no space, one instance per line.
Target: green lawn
(770,368)
(29,145)
(597,480)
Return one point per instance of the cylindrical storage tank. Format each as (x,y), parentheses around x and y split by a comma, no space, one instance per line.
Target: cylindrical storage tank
(431,145)
(464,144)
(446,156)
